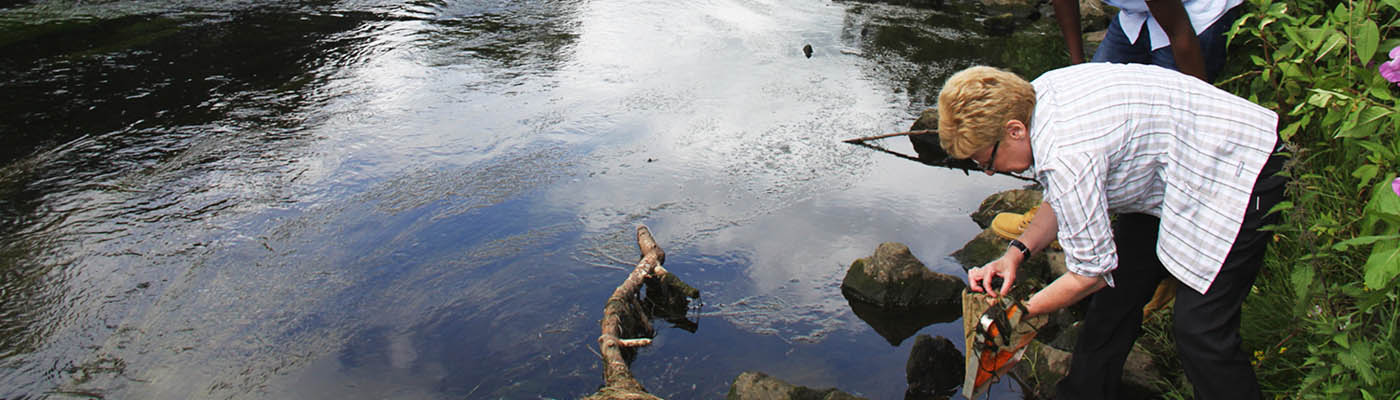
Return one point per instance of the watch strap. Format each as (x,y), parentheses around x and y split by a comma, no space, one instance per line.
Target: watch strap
(1025,251)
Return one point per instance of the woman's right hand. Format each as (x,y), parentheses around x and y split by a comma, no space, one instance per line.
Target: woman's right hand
(981,279)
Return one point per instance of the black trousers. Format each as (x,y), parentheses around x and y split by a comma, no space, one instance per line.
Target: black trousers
(1206,326)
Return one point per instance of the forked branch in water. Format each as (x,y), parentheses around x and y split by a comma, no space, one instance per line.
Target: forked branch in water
(624,319)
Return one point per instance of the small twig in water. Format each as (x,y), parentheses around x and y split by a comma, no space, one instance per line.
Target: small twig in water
(469,394)
(608,266)
(615,259)
(595,352)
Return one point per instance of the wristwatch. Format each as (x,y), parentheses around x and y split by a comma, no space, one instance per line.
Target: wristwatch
(1025,251)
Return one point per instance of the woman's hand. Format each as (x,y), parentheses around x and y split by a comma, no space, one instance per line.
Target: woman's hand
(981,279)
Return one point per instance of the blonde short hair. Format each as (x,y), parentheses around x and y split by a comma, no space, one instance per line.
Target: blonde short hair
(974,105)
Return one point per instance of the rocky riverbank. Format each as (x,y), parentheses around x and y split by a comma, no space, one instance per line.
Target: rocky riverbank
(897,295)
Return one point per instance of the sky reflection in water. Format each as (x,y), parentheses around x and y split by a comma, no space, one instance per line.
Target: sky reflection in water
(373,199)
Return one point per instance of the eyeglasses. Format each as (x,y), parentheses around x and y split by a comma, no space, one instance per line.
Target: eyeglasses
(991,161)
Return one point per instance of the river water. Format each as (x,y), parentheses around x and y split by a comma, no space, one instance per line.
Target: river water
(433,198)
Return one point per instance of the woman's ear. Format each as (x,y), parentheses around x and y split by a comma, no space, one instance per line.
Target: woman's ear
(1015,129)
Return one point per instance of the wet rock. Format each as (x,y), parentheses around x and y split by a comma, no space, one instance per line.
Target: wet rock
(1040,370)
(934,370)
(1140,375)
(982,249)
(1061,328)
(1044,366)
(928,149)
(1003,24)
(1010,3)
(1015,200)
(1094,15)
(927,145)
(807,50)
(895,325)
(759,386)
(987,246)
(1002,17)
(928,119)
(893,278)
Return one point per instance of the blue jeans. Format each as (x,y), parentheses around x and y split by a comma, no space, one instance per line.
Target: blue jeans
(1115,47)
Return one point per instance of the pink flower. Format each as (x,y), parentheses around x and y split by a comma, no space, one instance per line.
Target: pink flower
(1391,69)
(1395,184)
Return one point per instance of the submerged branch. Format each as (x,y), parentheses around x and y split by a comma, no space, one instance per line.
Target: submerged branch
(626,324)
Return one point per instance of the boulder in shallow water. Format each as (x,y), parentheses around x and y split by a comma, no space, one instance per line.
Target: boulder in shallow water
(927,147)
(934,370)
(895,325)
(759,386)
(893,278)
(1015,200)
(928,119)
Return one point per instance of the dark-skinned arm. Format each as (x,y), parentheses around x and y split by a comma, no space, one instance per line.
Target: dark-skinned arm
(1067,15)
(1171,14)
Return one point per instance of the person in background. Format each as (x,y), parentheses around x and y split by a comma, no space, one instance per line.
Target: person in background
(1188,36)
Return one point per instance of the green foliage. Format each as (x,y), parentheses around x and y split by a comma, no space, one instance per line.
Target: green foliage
(1322,319)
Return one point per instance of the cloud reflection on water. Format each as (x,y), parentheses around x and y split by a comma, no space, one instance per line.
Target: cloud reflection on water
(452,164)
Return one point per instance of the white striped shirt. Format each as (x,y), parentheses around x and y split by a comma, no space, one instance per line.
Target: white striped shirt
(1119,138)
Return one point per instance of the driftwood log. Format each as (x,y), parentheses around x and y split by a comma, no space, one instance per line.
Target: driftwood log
(626,323)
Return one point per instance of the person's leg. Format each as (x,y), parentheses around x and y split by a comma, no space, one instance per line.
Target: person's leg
(1213,48)
(1115,47)
(1207,325)
(1114,318)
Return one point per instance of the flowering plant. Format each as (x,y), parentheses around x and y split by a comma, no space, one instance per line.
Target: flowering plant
(1391,69)
(1322,66)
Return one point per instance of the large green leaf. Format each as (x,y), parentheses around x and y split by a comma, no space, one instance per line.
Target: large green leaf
(1310,38)
(1365,173)
(1380,90)
(1371,114)
(1365,122)
(1288,131)
(1368,38)
(1383,201)
(1320,98)
(1378,149)
(1383,264)
(1364,240)
(1302,280)
(1358,358)
(1334,42)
